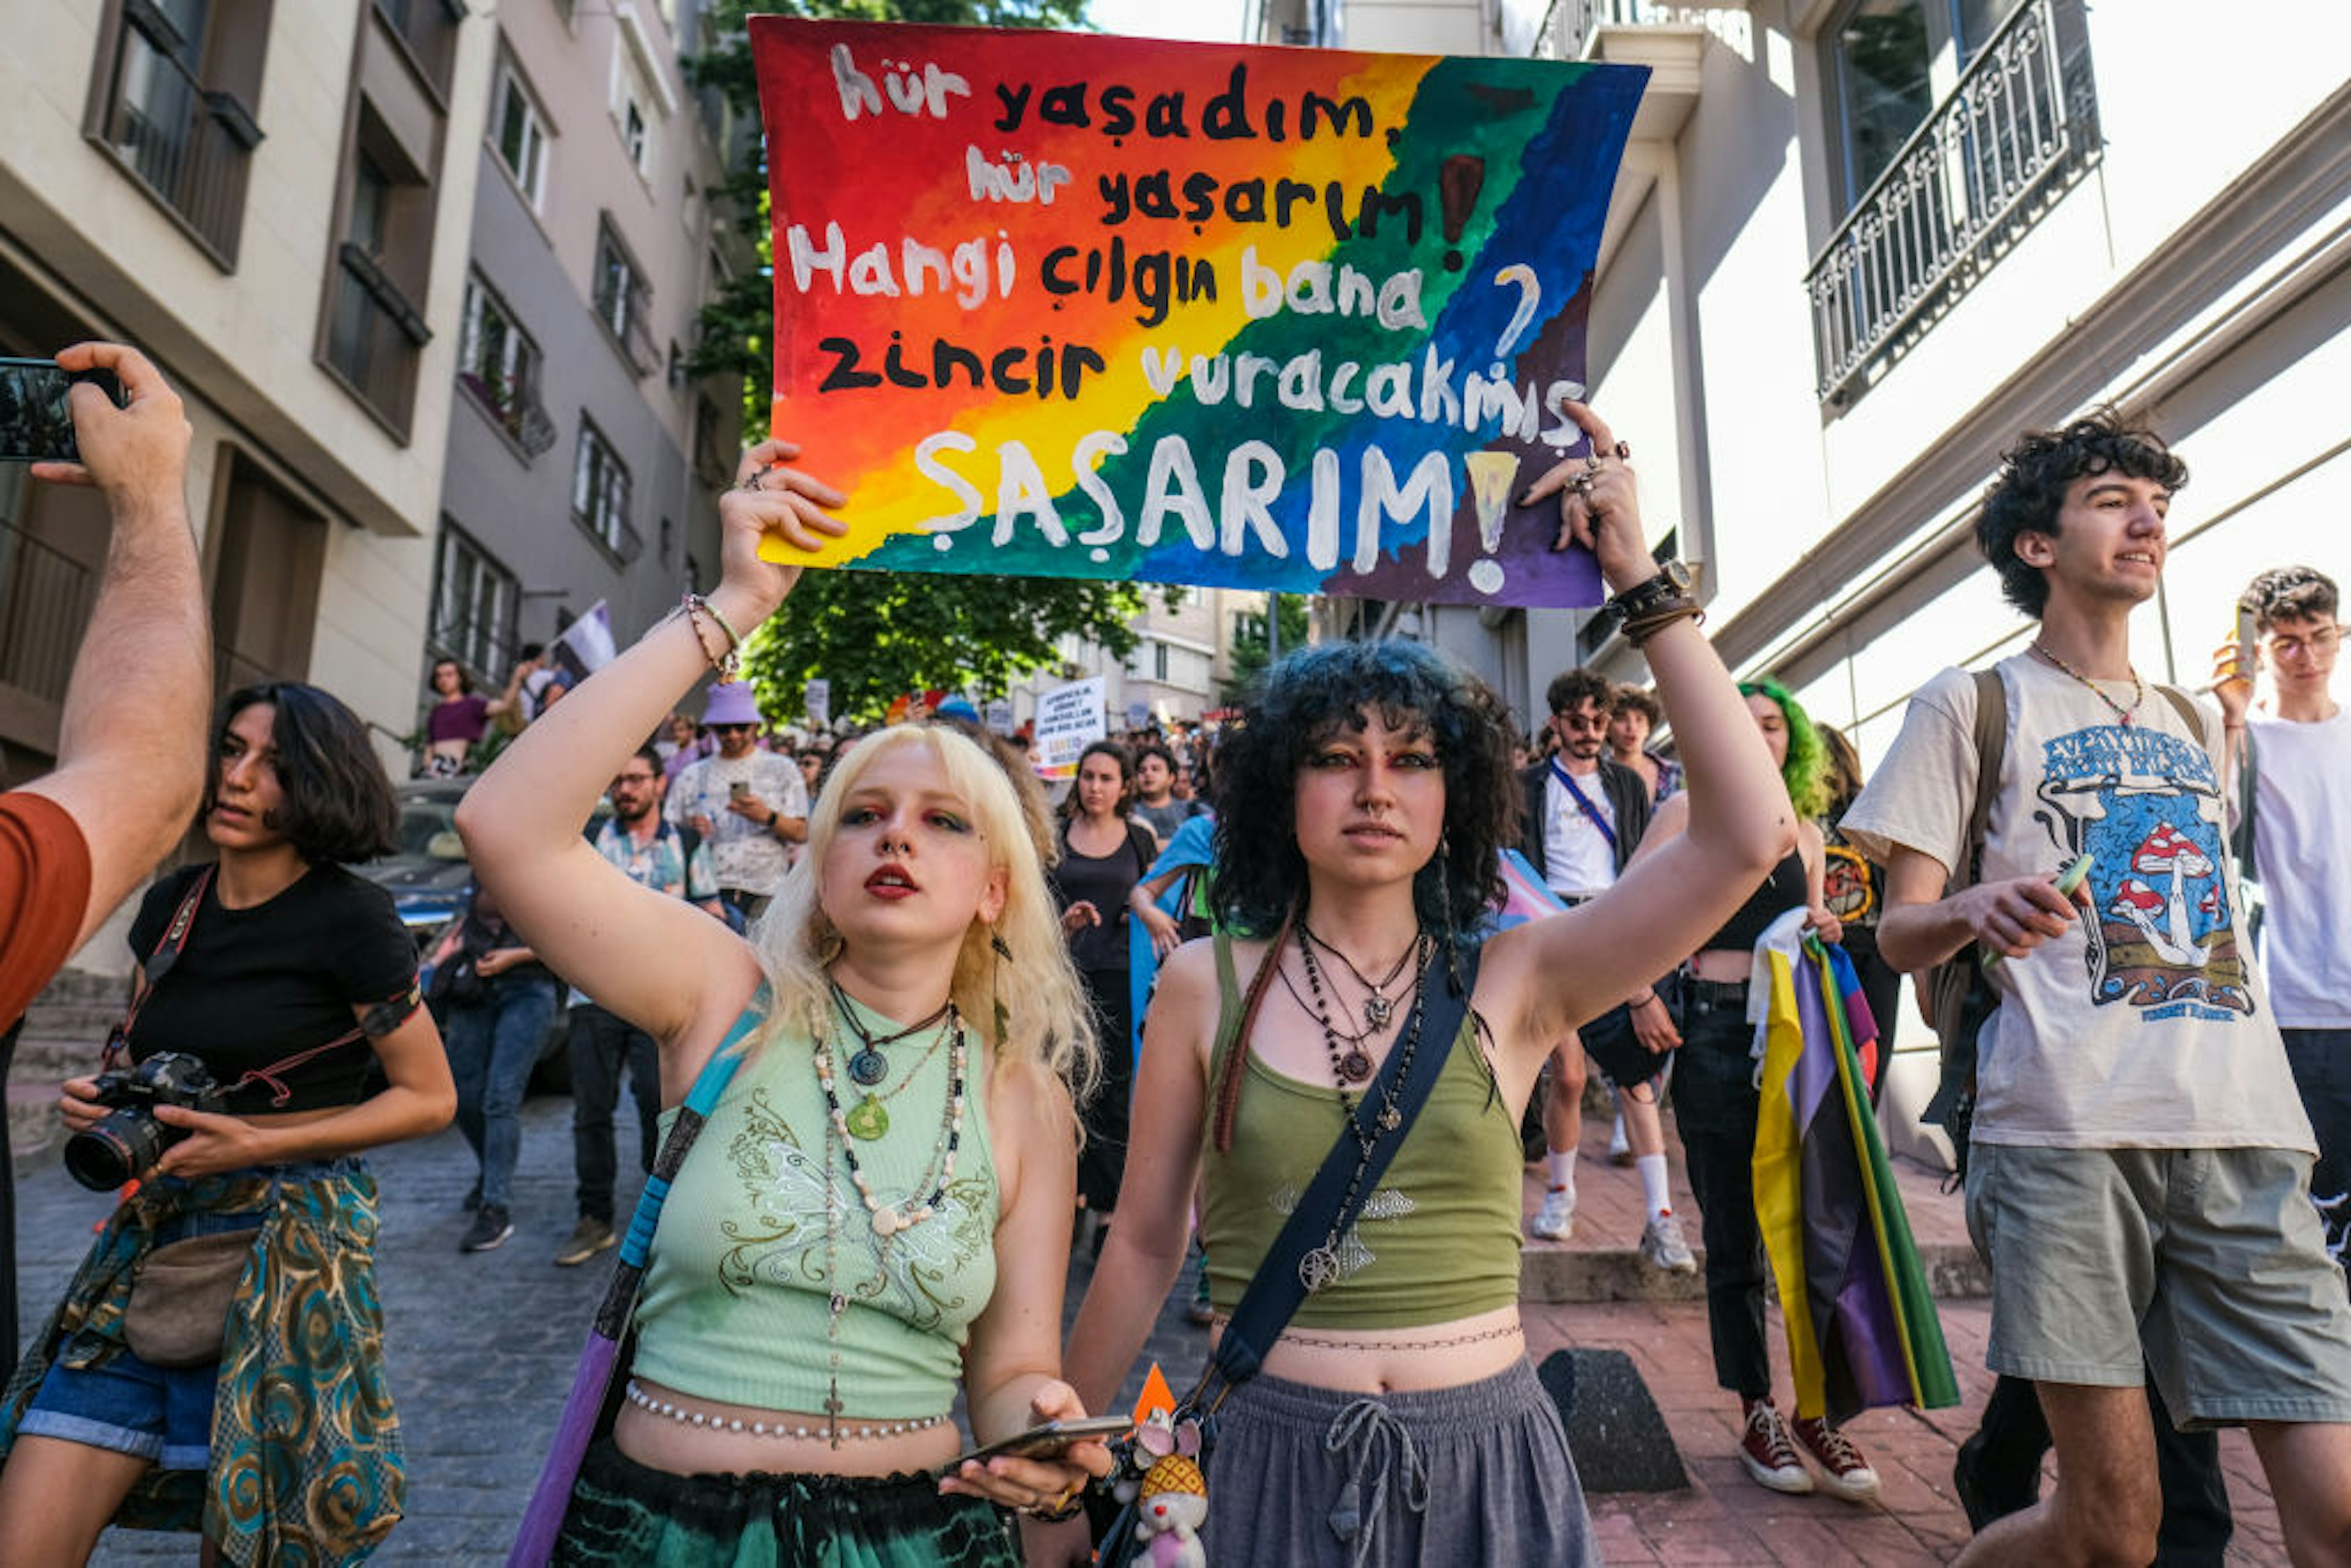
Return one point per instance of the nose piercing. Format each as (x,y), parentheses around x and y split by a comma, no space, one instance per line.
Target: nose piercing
(891,849)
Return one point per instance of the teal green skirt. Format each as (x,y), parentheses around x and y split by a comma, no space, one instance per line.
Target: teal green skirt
(624,1512)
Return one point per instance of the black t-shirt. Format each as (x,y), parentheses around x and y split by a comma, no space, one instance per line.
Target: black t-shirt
(254,986)
(1105,881)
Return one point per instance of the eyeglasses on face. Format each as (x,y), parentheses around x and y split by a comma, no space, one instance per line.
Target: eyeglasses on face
(1593,721)
(735,729)
(633,777)
(2321,641)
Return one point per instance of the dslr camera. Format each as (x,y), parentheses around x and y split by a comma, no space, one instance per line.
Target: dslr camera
(127,1142)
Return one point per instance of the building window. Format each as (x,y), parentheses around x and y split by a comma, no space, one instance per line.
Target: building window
(631,95)
(1170,664)
(474,604)
(520,133)
(1948,146)
(174,107)
(428,30)
(599,492)
(373,329)
(499,363)
(623,300)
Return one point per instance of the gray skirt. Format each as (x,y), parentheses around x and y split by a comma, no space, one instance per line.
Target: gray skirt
(1442,1477)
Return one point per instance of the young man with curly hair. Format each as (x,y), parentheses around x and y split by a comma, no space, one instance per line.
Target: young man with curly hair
(2140,1161)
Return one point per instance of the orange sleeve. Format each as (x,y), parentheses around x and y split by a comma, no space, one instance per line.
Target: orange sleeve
(44,889)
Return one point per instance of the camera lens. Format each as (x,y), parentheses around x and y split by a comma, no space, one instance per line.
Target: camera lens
(123,1145)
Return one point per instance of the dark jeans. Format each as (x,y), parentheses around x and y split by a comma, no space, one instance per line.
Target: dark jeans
(2321,1059)
(1714,1101)
(1104,1159)
(602,1045)
(2002,1464)
(492,1046)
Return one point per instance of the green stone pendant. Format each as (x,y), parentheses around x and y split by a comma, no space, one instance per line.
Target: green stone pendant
(867,1120)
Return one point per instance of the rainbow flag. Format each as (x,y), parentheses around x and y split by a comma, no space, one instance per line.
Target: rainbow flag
(1060,305)
(1862,1328)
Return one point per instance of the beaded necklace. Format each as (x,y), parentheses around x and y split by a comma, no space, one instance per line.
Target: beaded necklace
(2138,687)
(1319,1266)
(887,1219)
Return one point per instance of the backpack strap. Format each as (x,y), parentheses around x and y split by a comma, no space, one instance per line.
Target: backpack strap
(1991,754)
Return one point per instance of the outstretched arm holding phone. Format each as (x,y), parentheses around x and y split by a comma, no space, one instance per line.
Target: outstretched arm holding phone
(131,739)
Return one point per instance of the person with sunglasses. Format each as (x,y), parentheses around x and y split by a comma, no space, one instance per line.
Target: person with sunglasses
(750,804)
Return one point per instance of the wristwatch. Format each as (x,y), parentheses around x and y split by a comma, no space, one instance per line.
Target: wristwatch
(1674,580)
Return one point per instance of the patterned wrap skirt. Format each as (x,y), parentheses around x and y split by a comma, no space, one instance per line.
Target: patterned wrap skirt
(306,1463)
(625,1513)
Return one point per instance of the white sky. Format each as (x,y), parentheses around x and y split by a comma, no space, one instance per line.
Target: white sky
(1213,21)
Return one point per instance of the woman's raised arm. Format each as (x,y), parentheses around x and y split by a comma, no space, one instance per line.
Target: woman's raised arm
(1552,974)
(521,823)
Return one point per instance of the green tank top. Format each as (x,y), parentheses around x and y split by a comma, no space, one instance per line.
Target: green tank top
(735,1295)
(1437,1239)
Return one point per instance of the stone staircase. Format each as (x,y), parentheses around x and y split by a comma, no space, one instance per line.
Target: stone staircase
(64,1030)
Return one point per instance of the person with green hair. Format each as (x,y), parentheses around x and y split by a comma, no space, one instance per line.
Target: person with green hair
(1716,1101)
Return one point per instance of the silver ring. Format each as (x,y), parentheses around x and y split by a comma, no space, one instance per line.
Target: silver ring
(1624,452)
(1593,463)
(1582,483)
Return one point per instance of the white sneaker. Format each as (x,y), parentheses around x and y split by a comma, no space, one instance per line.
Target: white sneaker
(1555,1221)
(1620,1151)
(1663,1246)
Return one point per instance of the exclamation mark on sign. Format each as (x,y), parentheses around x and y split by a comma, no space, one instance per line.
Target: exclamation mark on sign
(1458,180)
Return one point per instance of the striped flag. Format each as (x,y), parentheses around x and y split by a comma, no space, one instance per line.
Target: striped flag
(1862,1328)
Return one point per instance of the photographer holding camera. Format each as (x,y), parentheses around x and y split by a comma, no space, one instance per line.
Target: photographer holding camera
(216,1363)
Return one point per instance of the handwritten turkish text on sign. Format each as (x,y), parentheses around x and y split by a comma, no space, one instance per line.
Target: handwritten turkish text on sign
(1069,719)
(1110,308)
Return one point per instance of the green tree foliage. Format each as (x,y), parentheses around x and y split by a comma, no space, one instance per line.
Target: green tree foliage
(1250,655)
(878,636)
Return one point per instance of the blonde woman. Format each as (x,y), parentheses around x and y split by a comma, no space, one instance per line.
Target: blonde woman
(878,1208)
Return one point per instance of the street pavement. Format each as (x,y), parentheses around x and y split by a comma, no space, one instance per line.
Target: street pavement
(482,1349)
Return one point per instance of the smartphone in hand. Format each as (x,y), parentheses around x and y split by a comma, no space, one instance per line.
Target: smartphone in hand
(2249,633)
(36,415)
(1049,1441)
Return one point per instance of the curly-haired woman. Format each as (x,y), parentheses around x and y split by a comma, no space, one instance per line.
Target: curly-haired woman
(1361,807)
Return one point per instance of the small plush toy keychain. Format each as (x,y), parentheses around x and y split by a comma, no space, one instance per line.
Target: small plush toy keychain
(1174,1503)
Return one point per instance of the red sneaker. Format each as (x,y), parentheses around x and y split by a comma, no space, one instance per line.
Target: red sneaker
(1844,1472)
(1769,1454)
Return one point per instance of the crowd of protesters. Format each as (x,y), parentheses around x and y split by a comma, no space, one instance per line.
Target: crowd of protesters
(2156,1081)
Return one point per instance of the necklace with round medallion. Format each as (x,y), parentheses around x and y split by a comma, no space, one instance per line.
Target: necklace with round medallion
(867,1065)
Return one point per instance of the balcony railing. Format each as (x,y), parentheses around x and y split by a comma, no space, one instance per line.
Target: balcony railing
(1577,20)
(375,333)
(2019,126)
(45,602)
(515,408)
(191,147)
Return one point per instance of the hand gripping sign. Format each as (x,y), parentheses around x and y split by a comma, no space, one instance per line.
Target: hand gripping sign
(1053,305)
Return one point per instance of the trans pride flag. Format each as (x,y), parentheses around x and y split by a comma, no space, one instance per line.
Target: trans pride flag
(1074,306)
(1862,1328)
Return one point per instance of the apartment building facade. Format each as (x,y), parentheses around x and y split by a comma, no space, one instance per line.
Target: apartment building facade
(584,458)
(271,199)
(1856,245)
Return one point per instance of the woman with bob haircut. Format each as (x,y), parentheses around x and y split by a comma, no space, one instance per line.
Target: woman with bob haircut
(1361,809)
(1715,1102)
(288,982)
(878,1207)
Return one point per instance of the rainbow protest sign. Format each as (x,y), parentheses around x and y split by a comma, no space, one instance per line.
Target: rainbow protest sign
(1295,319)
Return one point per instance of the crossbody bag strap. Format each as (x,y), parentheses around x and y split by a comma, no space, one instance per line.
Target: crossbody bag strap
(1279,1287)
(621,1297)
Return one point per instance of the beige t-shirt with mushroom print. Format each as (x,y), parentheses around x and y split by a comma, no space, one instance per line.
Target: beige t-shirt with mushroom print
(2146,1025)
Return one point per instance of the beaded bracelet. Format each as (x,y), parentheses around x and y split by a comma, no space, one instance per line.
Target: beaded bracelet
(730,667)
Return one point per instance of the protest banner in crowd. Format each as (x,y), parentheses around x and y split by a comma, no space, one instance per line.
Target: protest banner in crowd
(1302,319)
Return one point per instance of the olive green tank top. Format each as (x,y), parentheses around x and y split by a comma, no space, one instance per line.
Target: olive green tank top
(735,1292)
(1438,1238)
